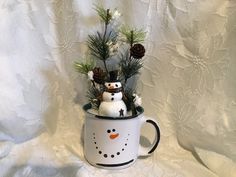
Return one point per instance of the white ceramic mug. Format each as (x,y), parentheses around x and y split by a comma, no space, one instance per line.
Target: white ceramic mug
(113,143)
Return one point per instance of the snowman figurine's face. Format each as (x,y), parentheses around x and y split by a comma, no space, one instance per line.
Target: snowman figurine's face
(113,92)
(113,85)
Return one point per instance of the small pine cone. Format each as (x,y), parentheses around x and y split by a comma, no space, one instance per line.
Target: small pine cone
(137,51)
(98,75)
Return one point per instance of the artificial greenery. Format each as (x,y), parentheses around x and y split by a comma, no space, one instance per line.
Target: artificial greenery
(104,14)
(133,36)
(107,46)
(129,100)
(129,67)
(84,68)
(94,96)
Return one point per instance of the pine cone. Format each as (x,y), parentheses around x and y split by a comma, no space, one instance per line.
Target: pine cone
(137,51)
(98,75)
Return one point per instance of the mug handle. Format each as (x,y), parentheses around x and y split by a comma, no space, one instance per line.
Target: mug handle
(146,151)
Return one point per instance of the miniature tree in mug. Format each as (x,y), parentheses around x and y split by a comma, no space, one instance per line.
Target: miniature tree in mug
(118,54)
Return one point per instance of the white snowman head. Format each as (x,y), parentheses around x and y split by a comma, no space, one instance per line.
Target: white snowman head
(113,85)
(113,88)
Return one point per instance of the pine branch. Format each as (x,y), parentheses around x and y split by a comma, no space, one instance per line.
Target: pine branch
(129,67)
(98,46)
(94,95)
(133,36)
(104,14)
(83,68)
(129,100)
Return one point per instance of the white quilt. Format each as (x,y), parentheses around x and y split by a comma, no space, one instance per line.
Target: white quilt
(187,84)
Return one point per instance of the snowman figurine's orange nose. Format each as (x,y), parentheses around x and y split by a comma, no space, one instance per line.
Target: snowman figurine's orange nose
(111,87)
(113,136)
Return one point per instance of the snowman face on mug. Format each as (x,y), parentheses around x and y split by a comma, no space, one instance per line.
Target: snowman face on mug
(114,139)
(113,85)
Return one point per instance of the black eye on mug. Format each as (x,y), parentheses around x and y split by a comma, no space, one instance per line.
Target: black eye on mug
(116,85)
(109,84)
(108,131)
(113,130)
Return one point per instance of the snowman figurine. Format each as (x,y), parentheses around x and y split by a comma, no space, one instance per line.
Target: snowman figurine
(112,104)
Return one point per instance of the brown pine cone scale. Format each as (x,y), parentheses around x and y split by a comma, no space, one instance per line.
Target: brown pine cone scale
(137,51)
(98,75)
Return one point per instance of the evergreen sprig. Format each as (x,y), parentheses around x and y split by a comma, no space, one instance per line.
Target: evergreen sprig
(129,67)
(84,68)
(129,100)
(104,14)
(93,96)
(133,36)
(99,44)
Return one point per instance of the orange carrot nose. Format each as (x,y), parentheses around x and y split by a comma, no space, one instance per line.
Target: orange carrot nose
(113,136)
(111,87)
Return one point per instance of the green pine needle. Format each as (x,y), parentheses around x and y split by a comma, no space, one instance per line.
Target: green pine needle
(129,67)
(84,68)
(133,36)
(93,95)
(98,45)
(129,101)
(104,14)
(129,98)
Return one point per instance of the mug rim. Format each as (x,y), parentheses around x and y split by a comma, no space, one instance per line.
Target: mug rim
(88,106)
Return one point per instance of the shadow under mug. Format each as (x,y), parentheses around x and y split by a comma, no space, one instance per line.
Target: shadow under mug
(113,142)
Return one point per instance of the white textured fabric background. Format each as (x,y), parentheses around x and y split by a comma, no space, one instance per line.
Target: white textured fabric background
(188,84)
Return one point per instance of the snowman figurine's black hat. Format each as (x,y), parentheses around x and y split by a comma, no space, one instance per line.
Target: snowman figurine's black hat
(113,76)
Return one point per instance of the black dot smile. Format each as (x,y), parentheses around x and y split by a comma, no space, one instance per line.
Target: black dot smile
(113,155)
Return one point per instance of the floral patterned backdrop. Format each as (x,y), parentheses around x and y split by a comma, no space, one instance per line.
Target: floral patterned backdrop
(188,84)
